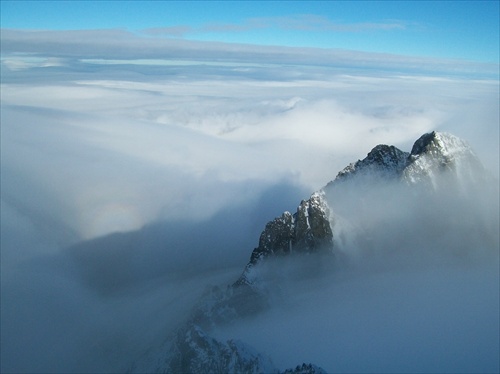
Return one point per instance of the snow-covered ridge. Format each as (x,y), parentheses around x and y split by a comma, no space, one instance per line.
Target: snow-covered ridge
(383,160)
(440,143)
(432,154)
(436,154)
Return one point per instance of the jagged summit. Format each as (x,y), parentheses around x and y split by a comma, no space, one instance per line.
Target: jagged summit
(431,154)
(439,143)
(439,154)
(383,160)
(306,231)
(422,143)
(305,369)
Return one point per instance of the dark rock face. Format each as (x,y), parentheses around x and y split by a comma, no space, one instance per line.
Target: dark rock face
(383,161)
(307,231)
(423,143)
(276,238)
(312,229)
(194,351)
(433,155)
(437,156)
(305,369)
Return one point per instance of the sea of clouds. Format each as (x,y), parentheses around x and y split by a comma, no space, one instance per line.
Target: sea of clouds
(129,184)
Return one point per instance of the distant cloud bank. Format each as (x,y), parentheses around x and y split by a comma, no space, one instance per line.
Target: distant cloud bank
(123,44)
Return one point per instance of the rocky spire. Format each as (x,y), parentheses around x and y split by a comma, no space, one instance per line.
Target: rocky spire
(439,155)
(306,231)
(382,161)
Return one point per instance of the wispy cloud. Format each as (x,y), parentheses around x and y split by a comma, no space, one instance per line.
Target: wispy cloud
(121,44)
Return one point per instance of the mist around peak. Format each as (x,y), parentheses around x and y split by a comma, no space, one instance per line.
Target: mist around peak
(409,284)
(126,192)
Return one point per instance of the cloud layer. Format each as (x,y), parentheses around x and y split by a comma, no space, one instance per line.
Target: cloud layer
(128,185)
(122,44)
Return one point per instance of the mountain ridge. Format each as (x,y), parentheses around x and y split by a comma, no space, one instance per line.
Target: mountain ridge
(435,157)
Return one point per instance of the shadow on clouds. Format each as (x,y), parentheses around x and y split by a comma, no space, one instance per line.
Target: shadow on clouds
(94,305)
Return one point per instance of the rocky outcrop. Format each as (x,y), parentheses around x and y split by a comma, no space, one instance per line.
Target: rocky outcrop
(194,351)
(305,369)
(440,155)
(435,155)
(383,161)
(307,231)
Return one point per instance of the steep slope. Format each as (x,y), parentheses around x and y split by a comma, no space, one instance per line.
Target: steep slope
(433,155)
(436,156)
(197,352)
(306,231)
(383,161)
(365,203)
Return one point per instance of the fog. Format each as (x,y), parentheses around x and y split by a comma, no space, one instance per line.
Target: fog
(430,320)
(412,287)
(128,188)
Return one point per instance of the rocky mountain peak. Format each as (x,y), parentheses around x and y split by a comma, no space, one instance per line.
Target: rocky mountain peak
(385,155)
(439,143)
(441,154)
(434,154)
(307,230)
(423,143)
(383,160)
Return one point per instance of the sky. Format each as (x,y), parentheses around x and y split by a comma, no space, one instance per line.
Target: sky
(145,145)
(447,29)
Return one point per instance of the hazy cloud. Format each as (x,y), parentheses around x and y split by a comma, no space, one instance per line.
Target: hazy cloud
(414,288)
(439,319)
(128,186)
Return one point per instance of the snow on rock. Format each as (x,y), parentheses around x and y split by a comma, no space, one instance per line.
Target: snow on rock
(383,161)
(435,156)
(307,231)
(436,160)
(305,369)
(198,352)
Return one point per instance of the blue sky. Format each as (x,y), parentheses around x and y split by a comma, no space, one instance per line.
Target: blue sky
(462,29)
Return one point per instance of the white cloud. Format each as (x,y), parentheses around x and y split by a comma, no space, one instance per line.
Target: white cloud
(121,44)
(211,150)
(114,135)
